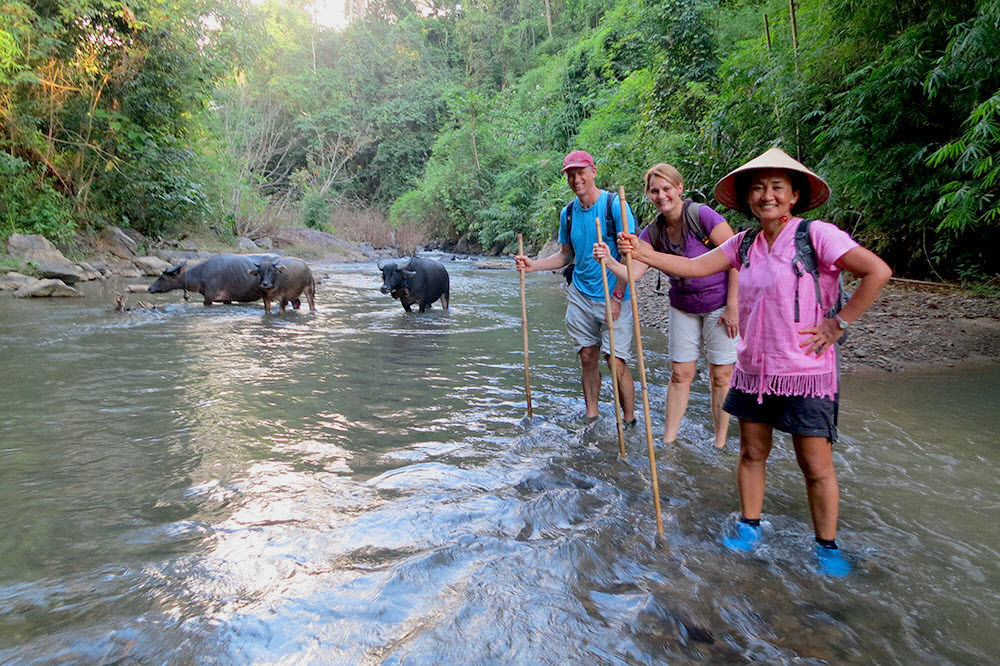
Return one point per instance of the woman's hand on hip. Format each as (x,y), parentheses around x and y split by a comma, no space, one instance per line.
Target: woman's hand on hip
(821,337)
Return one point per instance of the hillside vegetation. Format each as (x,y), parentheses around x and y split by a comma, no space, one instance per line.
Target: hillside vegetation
(232,116)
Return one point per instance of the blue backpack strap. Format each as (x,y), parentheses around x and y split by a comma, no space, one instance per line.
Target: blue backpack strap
(610,231)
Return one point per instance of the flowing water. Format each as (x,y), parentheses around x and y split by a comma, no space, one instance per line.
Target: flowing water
(359,485)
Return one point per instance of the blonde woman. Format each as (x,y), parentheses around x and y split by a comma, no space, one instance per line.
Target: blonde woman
(703,313)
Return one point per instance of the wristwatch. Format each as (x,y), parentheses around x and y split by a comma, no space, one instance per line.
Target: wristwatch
(840,322)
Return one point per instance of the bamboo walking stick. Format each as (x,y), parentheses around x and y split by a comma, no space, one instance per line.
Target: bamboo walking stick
(524,329)
(642,375)
(611,343)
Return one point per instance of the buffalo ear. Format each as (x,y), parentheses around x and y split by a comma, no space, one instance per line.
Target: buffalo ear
(280,268)
(380,265)
(175,270)
(253,271)
(409,273)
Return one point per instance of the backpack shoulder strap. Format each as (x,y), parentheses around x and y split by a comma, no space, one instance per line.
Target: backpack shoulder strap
(805,253)
(610,232)
(569,221)
(692,219)
(745,243)
(805,261)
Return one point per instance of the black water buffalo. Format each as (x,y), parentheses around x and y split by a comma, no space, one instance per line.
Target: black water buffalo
(415,280)
(221,278)
(284,279)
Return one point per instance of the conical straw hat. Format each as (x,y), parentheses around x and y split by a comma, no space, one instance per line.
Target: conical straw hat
(775,158)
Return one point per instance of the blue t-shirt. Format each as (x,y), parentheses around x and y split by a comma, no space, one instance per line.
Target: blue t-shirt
(587,273)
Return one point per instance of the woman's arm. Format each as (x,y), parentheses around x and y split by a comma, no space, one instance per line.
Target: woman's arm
(730,316)
(874,274)
(602,251)
(706,264)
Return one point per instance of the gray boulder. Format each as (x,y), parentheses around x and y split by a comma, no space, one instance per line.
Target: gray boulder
(119,243)
(151,265)
(13,281)
(49,261)
(89,272)
(61,270)
(177,256)
(551,247)
(47,289)
(247,246)
(121,268)
(493,265)
(32,247)
(331,245)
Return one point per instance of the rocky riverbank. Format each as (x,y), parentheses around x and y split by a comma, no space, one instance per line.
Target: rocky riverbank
(911,325)
(40,269)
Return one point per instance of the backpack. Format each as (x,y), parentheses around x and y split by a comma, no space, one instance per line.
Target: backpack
(609,230)
(803,262)
(692,223)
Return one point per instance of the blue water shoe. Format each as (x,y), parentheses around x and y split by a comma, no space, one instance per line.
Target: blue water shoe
(831,562)
(744,540)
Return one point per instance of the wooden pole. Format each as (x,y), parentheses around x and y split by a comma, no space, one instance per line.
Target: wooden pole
(524,329)
(795,57)
(642,375)
(613,362)
(767,31)
(795,31)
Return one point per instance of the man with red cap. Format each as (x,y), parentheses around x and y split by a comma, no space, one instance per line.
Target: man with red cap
(585,312)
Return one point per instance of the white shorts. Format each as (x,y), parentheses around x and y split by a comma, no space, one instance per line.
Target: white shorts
(587,325)
(689,333)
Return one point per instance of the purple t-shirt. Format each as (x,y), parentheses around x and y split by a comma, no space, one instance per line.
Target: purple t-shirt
(702,294)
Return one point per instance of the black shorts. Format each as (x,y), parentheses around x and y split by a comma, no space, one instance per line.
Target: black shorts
(812,417)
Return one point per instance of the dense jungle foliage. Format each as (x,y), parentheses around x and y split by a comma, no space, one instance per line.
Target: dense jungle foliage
(232,115)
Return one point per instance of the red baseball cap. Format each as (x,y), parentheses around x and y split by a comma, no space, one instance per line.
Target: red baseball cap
(578,158)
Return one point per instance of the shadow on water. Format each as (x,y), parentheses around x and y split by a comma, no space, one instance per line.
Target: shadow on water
(361,485)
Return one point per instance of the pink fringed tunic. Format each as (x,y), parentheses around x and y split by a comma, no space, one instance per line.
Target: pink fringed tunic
(769,359)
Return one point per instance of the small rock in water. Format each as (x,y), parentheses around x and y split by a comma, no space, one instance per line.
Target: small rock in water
(50,288)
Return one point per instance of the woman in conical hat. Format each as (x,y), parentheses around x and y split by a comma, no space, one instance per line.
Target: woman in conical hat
(786,373)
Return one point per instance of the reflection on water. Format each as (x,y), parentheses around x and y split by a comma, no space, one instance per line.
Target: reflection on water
(358,485)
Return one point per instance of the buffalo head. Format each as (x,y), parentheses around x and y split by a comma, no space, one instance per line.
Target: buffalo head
(394,274)
(170,279)
(268,272)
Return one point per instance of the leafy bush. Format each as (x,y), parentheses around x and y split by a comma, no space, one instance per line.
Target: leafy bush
(29,204)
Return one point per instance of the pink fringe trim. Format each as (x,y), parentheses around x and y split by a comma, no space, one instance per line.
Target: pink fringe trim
(807,386)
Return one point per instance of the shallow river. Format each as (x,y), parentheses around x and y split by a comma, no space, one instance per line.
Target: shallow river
(214,485)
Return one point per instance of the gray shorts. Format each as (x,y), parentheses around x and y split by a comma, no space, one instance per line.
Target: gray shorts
(585,323)
(690,333)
